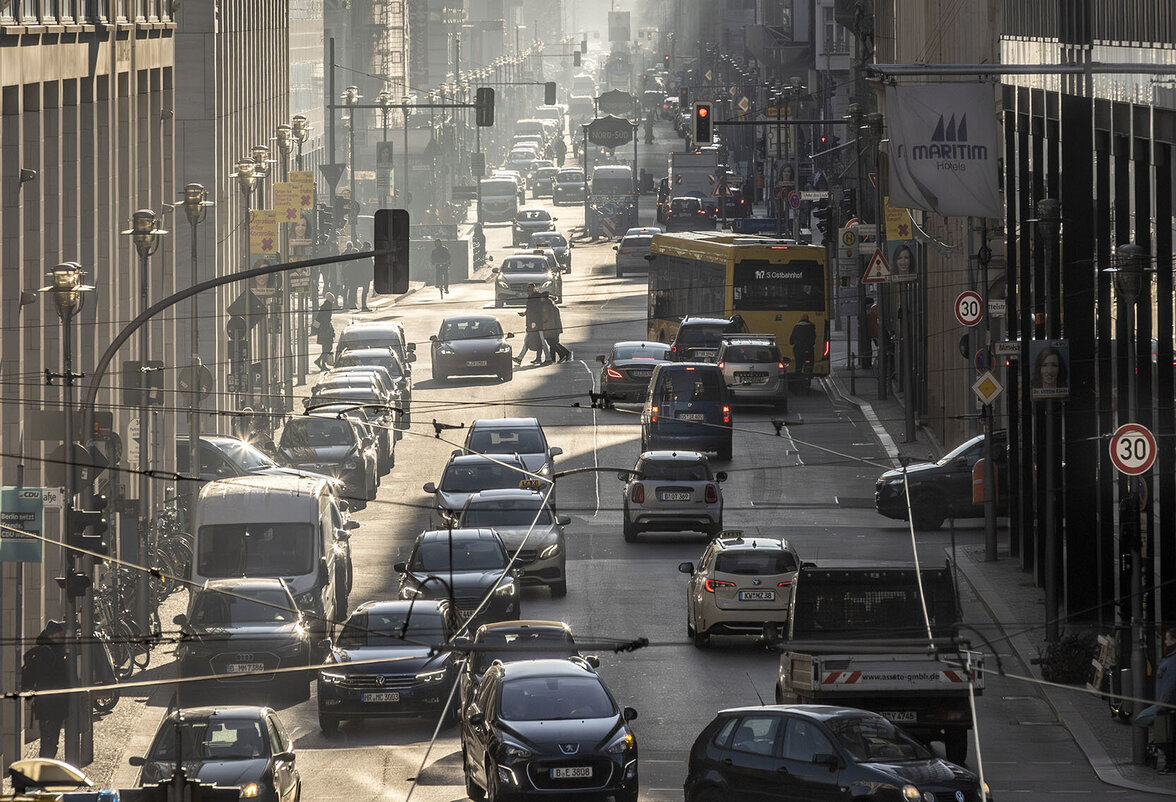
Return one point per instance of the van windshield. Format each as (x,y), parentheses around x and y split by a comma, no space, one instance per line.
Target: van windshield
(500,187)
(257,549)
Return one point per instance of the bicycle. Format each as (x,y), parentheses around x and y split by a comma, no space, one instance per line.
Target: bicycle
(442,279)
(1107,674)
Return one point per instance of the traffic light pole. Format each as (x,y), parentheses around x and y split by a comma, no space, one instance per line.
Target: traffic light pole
(78,721)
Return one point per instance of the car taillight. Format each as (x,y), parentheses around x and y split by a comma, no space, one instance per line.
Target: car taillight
(780,365)
(712,494)
(726,414)
(711,584)
(722,365)
(826,352)
(653,414)
(784,584)
(673,349)
(638,494)
(613,373)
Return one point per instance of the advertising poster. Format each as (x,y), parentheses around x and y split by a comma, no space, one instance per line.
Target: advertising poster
(304,180)
(287,202)
(1050,373)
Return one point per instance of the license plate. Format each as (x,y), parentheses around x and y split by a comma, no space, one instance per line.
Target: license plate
(674,496)
(691,416)
(900,716)
(641,374)
(476,364)
(382,696)
(572,773)
(757,595)
(245,668)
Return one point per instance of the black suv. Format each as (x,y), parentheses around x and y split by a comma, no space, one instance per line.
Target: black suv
(698,338)
(943,489)
(470,564)
(815,752)
(547,728)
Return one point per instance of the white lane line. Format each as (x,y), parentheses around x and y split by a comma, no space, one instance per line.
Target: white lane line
(595,455)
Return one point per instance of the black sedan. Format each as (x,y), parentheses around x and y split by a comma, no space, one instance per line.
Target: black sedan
(472,345)
(384,664)
(816,752)
(528,222)
(943,489)
(467,565)
(242,747)
(337,446)
(625,371)
(511,641)
(401,376)
(245,633)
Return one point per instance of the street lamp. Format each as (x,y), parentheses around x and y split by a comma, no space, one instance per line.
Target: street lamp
(195,205)
(351,98)
(66,289)
(1132,267)
(301,131)
(246,178)
(262,168)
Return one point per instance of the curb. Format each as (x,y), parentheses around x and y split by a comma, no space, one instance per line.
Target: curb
(883,436)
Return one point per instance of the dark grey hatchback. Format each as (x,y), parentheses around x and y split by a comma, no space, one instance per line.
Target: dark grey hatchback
(788,752)
(687,409)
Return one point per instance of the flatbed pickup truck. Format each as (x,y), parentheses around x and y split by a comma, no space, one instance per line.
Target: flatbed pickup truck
(856,637)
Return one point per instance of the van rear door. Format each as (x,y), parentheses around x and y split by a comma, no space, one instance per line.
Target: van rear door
(690,401)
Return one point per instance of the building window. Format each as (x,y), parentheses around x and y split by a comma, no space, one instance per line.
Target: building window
(65,9)
(836,35)
(29,11)
(397,57)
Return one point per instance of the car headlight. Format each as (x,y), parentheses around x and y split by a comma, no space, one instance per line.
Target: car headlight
(547,283)
(621,743)
(985,789)
(503,284)
(911,793)
(332,677)
(514,750)
(350,465)
(250,790)
(445,350)
(549,552)
(503,349)
(506,590)
(308,599)
(431,676)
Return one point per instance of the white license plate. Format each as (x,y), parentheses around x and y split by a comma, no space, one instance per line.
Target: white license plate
(382,696)
(245,668)
(476,364)
(572,773)
(691,416)
(757,595)
(674,496)
(900,716)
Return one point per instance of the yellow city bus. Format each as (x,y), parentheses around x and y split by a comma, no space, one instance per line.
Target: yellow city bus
(768,282)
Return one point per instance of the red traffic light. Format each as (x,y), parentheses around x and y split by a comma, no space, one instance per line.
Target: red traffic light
(703,111)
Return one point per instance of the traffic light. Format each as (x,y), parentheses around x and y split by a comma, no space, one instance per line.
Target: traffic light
(549,93)
(132,383)
(391,236)
(666,60)
(85,528)
(683,99)
(848,202)
(326,221)
(822,215)
(75,583)
(485,106)
(576,61)
(583,45)
(703,130)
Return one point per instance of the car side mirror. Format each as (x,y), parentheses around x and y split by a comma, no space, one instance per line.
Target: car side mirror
(830,760)
(344,505)
(400,568)
(342,534)
(461,641)
(592,660)
(601,358)
(721,476)
(180,620)
(412,357)
(563,520)
(686,568)
(429,487)
(285,757)
(489,258)
(432,338)
(510,335)
(555,451)
(630,714)
(808,564)
(494,270)
(410,347)
(615,248)
(137,760)
(351,525)
(571,245)
(477,719)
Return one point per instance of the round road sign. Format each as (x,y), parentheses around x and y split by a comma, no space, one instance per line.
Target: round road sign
(794,199)
(1133,449)
(969,308)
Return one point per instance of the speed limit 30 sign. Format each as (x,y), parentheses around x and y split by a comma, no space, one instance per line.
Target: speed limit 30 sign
(1133,449)
(969,308)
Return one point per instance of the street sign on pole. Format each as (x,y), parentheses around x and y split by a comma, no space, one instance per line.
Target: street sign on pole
(969,308)
(878,270)
(743,105)
(1133,449)
(1009,349)
(794,199)
(987,388)
(21,512)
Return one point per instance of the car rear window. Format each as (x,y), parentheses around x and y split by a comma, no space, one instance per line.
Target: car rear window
(637,242)
(641,352)
(570,178)
(693,384)
(700,335)
(675,470)
(473,477)
(751,353)
(506,441)
(752,563)
(524,265)
(684,204)
(315,432)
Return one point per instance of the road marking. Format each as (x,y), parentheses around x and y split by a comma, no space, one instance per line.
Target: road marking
(595,455)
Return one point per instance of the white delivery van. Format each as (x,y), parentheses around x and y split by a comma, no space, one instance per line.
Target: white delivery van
(289,527)
(498,200)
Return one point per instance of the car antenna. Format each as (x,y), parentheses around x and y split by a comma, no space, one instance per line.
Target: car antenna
(757,693)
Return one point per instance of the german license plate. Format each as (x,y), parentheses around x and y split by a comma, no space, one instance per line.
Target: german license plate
(691,416)
(641,374)
(245,668)
(572,773)
(675,496)
(757,595)
(382,696)
(900,716)
(476,364)
(748,377)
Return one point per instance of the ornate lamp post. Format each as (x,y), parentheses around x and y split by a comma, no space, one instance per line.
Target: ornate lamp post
(351,98)
(301,132)
(246,178)
(195,205)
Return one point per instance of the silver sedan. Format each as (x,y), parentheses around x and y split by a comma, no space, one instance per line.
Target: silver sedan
(672,491)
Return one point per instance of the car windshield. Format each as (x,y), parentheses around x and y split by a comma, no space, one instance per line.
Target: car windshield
(675,470)
(433,556)
(643,241)
(214,609)
(491,514)
(377,629)
(570,178)
(707,336)
(255,549)
(471,329)
(316,433)
(551,240)
(751,353)
(506,441)
(519,646)
(246,456)
(545,172)
(524,265)
(215,739)
(357,395)
(532,215)
(384,360)
(641,352)
(473,477)
(751,563)
(874,739)
(555,699)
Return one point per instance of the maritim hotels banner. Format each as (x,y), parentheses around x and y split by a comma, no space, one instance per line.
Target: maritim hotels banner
(944,149)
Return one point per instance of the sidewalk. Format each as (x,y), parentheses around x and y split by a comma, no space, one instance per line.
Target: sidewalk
(1013,602)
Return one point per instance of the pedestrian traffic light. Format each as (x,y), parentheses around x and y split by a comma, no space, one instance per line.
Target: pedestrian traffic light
(85,528)
(703,124)
(666,60)
(132,383)
(821,213)
(848,202)
(576,61)
(683,99)
(391,245)
(484,101)
(549,93)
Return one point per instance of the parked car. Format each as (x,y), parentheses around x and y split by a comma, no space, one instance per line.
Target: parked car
(471,345)
(474,570)
(398,370)
(672,491)
(235,747)
(943,489)
(378,334)
(626,369)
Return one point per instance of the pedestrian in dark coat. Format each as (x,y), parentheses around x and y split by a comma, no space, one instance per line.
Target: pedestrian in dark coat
(325,329)
(46,668)
(553,328)
(1166,695)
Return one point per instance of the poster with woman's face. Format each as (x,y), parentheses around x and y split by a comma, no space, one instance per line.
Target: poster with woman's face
(1050,374)
(263,286)
(302,229)
(903,256)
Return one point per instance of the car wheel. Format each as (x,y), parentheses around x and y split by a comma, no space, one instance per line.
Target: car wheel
(340,598)
(329,725)
(473,790)
(627,796)
(559,589)
(689,629)
(630,531)
(497,303)
(955,746)
(928,511)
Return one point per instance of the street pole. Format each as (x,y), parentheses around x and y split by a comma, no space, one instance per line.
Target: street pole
(874,123)
(195,205)
(990,489)
(1049,219)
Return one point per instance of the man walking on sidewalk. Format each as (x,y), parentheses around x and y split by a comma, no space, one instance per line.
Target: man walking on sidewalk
(325,334)
(46,668)
(553,328)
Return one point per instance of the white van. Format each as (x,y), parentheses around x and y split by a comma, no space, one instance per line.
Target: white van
(612,179)
(289,527)
(498,200)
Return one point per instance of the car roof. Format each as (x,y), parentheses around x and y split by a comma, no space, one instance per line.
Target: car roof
(401,605)
(471,318)
(372,350)
(545,668)
(635,343)
(698,320)
(458,534)
(218,711)
(506,423)
(644,230)
(375,326)
(466,459)
(673,456)
(816,712)
(238,584)
(534,209)
(747,543)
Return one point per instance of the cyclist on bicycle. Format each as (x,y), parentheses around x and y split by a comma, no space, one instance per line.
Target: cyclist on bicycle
(440,259)
(803,341)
